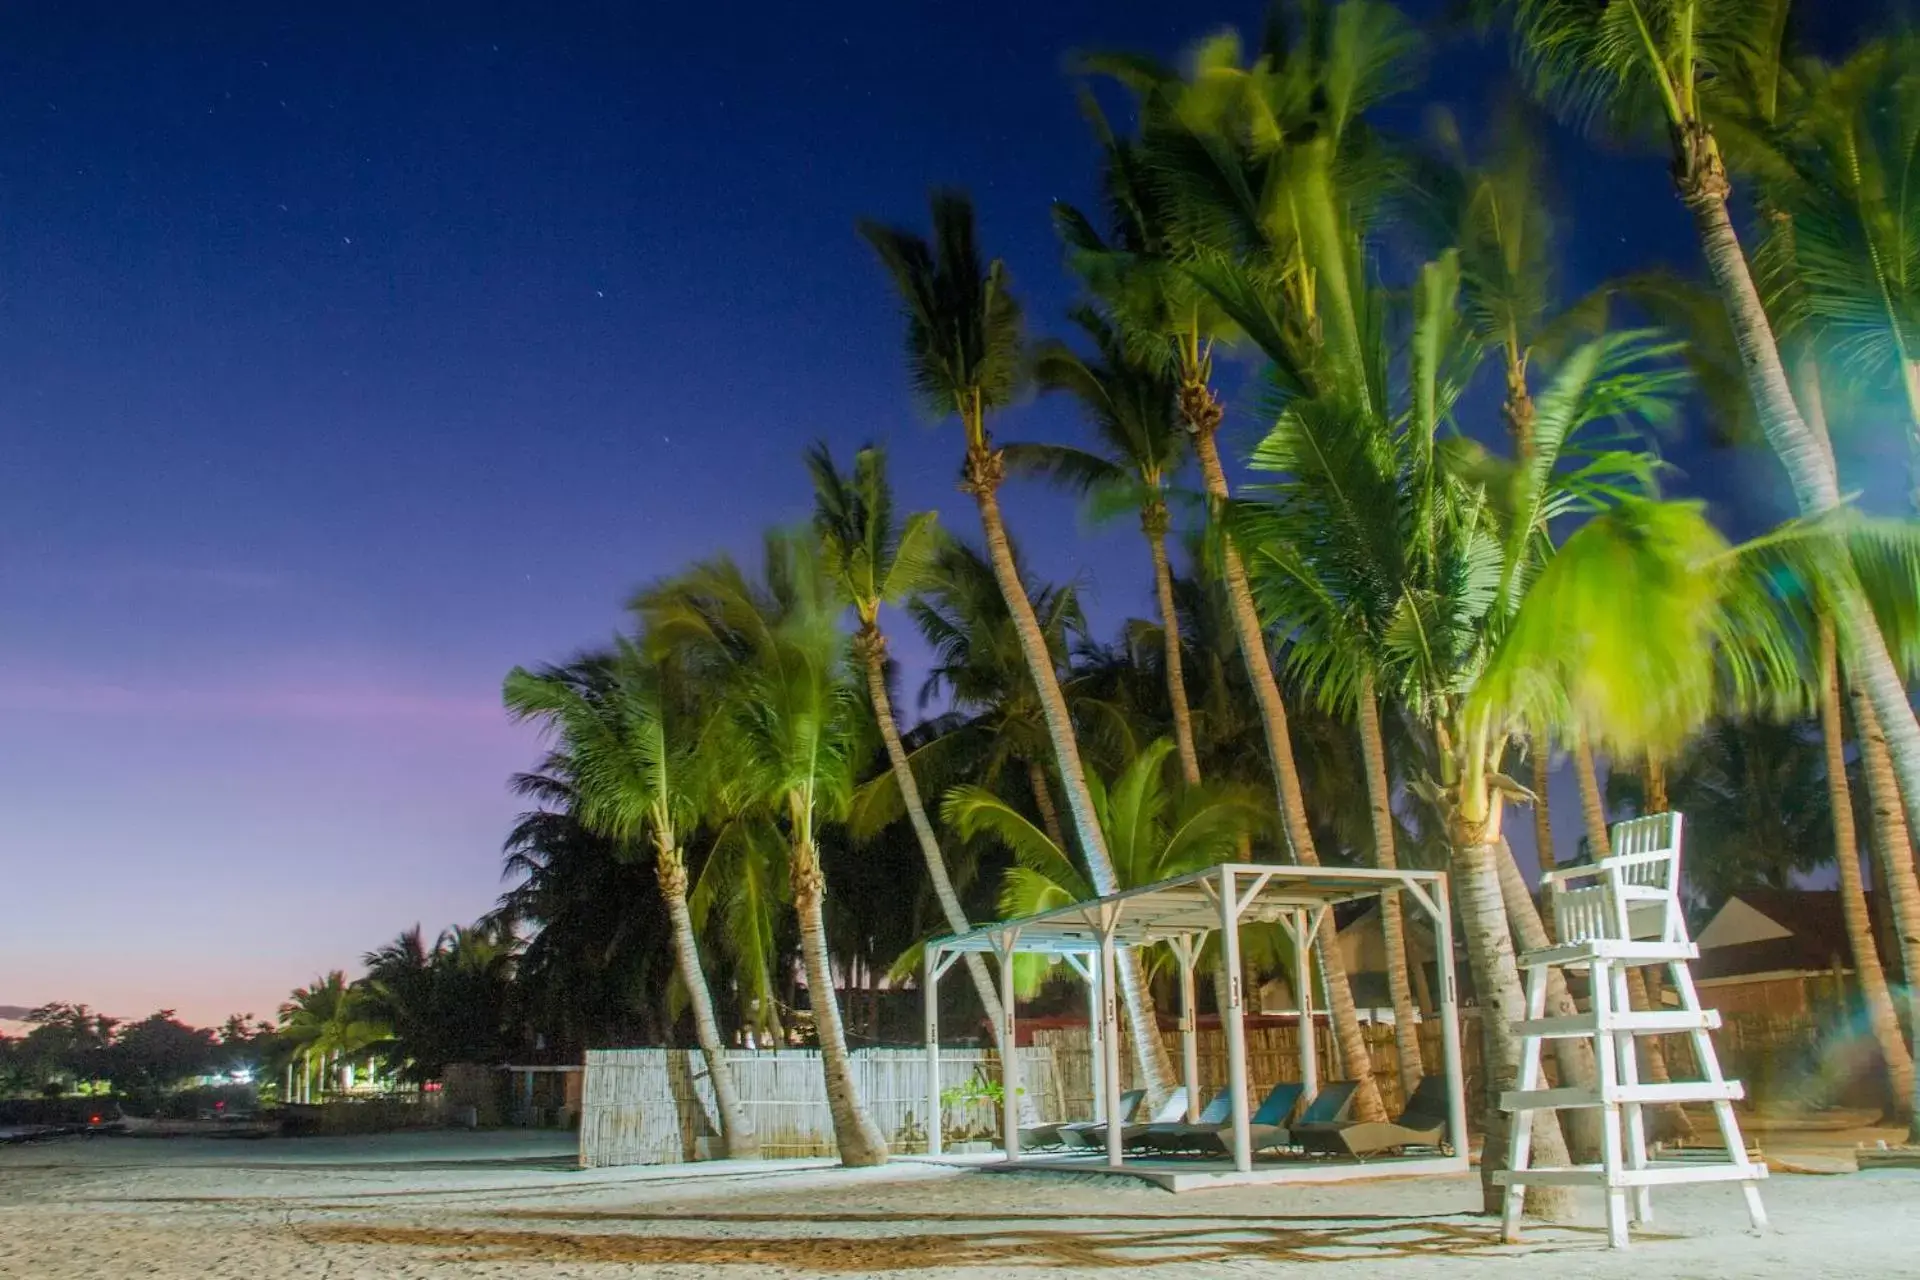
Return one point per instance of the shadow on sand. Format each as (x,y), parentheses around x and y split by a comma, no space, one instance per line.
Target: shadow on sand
(1005,1245)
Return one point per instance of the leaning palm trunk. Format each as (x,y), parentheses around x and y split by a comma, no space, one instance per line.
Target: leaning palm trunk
(1892,840)
(1881,1015)
(1202,412)
(1542,829)
(1702,180)
(1373,748)
(1574,1055)
(1043,801)
(1496,977)
(983,476)
(1669,1120)
(735,1129)
(859,1140)
(873,650)
(1154,524)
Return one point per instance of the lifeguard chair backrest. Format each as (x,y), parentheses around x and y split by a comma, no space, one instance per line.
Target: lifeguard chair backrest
(1648,884)
(1632,894)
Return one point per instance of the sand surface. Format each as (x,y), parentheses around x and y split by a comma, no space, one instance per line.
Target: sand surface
(511,1204)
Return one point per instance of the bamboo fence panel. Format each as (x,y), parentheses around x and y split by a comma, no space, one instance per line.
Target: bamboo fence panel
(655,1106)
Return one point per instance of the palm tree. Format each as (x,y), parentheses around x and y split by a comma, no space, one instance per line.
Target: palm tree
(874,562)
(632,741)
(447,1003)
(791,725)
(994,726)
(329,1019)
(1330,565)
(964,351)
(1854,255)
(1134,410)
(1155,832)
(598,934)
(1638,62)
(1868,972)
(1254,172)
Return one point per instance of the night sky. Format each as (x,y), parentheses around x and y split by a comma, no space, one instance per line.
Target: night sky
(356,353)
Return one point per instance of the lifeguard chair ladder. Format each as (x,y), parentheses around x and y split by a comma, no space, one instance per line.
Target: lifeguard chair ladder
(1621,912)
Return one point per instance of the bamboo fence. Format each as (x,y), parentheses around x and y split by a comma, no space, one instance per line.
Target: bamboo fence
(655,1106)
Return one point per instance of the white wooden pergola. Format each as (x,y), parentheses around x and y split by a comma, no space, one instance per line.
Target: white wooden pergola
(1182,912)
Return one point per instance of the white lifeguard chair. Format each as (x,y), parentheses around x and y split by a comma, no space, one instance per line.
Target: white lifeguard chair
(1620,912)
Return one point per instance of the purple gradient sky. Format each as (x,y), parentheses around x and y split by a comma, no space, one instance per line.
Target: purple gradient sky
(354,355)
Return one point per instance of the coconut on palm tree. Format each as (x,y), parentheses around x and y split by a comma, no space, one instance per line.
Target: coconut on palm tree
(874,561)
(789,728)
(632,740)
(964,351)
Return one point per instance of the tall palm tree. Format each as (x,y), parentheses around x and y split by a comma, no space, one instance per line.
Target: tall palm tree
(873,562)
(1645,64)
(791,725)
(1868,971)
(1255,171)
(1330,564)
(1133,408)
(964,353)
(633,741)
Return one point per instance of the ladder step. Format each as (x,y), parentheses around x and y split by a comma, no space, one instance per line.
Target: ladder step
(1684,1091)
(1636,953)
(1657,1174)
(1652,1022)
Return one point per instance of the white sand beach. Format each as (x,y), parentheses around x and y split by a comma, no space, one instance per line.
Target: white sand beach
(511,1204)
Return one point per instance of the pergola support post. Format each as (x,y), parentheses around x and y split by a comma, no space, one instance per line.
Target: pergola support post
(1236,1021)
(1303,997)
(1009,1053)
(1441,909)
(1110,1025)
(930,970)
(1183,950)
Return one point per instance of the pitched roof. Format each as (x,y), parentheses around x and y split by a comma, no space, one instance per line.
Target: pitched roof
(1814,928)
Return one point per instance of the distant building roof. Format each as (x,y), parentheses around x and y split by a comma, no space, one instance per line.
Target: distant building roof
(1774,931)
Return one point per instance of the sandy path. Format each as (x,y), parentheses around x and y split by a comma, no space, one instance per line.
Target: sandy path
(447,1206)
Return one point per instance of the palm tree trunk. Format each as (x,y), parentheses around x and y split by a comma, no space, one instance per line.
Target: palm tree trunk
(1872,979)
(859,1140)
(1593,809)
(1574,1055)
(735,1129)
(1809,465)
(1654,781)
(1543,851)
(1669,1120)
(984,471)
(1373,749)
(1252,641)
(1286,774)
(1156,531)
(1496,977)
(1893,842)
(1542,812)
(873,648)
(1043,801)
